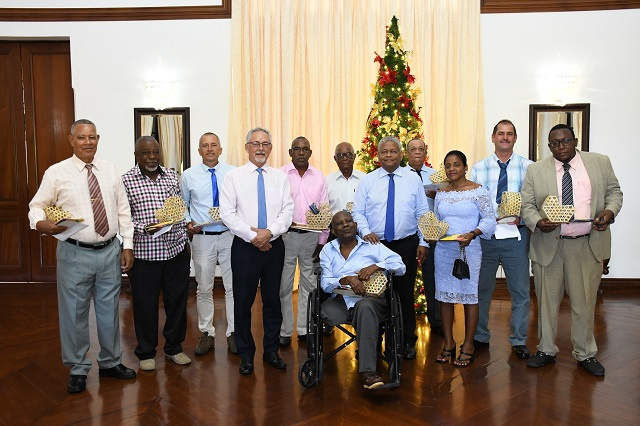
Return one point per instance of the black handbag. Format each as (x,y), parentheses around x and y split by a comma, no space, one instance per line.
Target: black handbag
(460,266)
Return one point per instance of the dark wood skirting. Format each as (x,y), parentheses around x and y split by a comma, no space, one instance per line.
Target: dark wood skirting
(523,6)
(224,10)
(619,285)
(116,13)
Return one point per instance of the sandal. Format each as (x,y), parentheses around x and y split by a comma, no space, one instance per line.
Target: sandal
(463,362)
(446,355)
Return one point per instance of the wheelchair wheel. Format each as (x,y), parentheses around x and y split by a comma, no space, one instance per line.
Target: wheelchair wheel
(308,375)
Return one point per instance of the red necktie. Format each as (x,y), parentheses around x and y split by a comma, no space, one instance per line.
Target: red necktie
(100,222)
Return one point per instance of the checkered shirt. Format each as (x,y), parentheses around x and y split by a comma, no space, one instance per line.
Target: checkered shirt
(486,172)
(145,197)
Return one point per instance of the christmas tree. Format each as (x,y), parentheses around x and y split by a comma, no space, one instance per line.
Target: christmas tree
(393,114)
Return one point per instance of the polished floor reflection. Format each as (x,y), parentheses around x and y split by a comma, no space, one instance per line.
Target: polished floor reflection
(497,388)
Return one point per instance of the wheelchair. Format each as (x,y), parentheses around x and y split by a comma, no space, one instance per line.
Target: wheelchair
(311,370)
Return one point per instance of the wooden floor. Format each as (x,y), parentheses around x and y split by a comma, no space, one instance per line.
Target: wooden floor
(497,389)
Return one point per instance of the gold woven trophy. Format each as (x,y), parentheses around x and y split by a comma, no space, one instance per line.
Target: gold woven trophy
(349,207)
(214,213)
(432,229)
(510,206)
(56,214)
(320,220)
(173,210)
(557,212)
(440,176)
(376,284)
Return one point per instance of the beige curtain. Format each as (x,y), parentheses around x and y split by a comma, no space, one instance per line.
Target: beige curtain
(305,67)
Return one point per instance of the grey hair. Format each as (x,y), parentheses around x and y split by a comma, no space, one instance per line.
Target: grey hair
(79,122)
(257,129)
(390,139)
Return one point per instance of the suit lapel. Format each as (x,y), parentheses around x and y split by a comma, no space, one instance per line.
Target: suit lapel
(592,171)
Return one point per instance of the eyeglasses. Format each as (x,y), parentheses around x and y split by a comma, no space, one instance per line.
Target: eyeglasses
(344,155)
(564,142)
(260,144)
(304,149)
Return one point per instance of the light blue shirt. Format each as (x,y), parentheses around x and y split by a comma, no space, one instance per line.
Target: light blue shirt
(486,172)
(370,204)
(335,266)
(425,173)
(197,193)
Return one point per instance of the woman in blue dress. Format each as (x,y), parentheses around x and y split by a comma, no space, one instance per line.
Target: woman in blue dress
(467,208)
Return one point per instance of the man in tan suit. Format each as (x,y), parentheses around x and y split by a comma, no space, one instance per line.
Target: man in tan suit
(569,256)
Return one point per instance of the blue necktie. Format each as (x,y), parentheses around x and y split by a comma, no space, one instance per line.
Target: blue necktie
(389,221)
(502,180)
(214,188)
(262,201)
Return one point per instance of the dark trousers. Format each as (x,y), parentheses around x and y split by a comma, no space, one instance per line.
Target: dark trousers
(405,284)
(147,279)
(250,266)
(429,281)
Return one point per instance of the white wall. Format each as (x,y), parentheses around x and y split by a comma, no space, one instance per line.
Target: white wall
(111,60)
(601,49)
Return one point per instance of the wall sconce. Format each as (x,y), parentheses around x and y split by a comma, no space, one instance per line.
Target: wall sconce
(559,89)
(160,93)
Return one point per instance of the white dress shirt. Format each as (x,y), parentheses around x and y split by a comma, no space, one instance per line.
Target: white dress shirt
(239,201)
(65,185)
(342,190)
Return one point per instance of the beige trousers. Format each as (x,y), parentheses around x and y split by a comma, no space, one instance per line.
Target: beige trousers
(574,269)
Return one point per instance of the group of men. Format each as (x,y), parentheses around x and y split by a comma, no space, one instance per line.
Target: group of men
(254,243)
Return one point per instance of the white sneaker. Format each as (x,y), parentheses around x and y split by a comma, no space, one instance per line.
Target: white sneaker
(148,364)
(180,359)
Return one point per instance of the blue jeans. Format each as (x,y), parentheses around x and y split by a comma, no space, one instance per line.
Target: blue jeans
(514,257)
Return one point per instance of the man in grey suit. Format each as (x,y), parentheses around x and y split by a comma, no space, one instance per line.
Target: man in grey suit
(569,256)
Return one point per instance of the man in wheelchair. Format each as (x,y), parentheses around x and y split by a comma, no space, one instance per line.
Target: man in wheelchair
(346,262)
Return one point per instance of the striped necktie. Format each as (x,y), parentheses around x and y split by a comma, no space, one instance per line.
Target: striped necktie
(502,180)
(567,186)
(100,222)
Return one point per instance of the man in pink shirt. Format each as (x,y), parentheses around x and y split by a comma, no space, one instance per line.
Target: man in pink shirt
(568,257)
(302,247)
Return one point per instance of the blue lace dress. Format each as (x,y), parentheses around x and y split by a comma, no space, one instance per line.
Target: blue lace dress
(464,211)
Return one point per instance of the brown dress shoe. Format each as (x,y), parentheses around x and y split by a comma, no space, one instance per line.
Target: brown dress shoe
(371,380)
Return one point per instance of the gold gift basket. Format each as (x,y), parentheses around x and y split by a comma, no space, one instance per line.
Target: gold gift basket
(349,207)
(56,214)
(440,176)
(214,213)
(510,205)
(321,220)
(432,229)
(173,211)
(555,211)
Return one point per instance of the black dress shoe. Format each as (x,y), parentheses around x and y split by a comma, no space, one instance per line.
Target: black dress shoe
(302,338)
(119,372)
(274,360)
(540,359)
(478,344)
(592,366)
(77,383)
(246,366)
(284,341)
(409,351)
(521,351)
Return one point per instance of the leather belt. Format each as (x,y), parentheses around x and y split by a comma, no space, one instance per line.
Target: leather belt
(570,237)
(94,246)
(299,231)
(211,233)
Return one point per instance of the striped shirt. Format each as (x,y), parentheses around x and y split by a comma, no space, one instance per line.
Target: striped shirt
(486,172)
(145,197)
